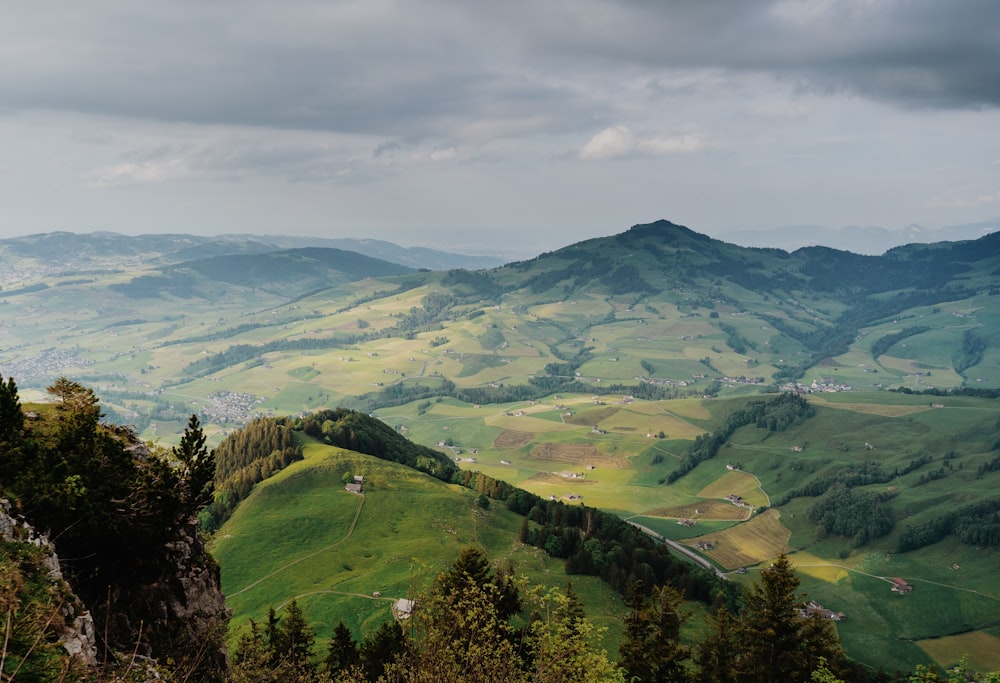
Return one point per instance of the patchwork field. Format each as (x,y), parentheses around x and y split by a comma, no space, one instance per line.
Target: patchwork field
(759,539)
(981,648)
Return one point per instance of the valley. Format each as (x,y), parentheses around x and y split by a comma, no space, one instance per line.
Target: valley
(587,376)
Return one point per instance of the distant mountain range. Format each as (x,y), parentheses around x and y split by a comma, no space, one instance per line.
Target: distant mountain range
(870,240)
(56,251)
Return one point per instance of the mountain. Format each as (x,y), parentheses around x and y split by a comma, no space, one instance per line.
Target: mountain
(625,371)
(55,252)
(858,239)
(415,257)
(289,273)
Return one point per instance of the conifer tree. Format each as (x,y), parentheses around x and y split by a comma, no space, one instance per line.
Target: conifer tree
(777,644)
(717,654)
(197,467)
(342,653)
(652,652)
(11,416)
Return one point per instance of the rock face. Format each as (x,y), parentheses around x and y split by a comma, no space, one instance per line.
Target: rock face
(172,609)
(78,635)
(177,613)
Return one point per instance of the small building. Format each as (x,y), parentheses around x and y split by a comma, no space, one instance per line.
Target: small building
(900,586)
(685,522)
(403,608)
(354,488)
(814,608)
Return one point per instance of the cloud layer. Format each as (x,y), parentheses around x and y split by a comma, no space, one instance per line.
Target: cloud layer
(352,91)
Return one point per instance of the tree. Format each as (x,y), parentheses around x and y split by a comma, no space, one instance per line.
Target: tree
(197,467)
(652,652)
(342,653)
(11,416)
(560,637)
(717,654)
(777,644)
(386,645)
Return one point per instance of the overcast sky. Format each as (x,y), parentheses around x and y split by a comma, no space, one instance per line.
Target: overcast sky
(512,124)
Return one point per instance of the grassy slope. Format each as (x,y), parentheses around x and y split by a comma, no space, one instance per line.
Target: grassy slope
(301,535)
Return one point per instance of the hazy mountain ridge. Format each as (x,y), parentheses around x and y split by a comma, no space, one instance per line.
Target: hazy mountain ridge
(289,273)
(55,252)
(871,240)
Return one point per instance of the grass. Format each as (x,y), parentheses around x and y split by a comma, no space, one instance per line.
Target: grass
(301,535)
(982,649)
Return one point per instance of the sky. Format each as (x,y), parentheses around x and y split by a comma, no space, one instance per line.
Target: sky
(512,126)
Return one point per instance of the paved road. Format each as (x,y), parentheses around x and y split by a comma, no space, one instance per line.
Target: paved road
(682,549)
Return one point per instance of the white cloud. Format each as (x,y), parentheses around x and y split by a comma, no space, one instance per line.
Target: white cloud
(954,199)
(138,173)
(619,141)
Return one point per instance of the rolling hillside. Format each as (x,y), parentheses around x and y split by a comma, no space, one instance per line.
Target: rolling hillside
(349,557)
(589,374)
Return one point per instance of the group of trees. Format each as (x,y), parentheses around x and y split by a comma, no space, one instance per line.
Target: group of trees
(112,506)
(774,414)
(860,516)
(359,432)
(479,623)
(245,458)
(976,524)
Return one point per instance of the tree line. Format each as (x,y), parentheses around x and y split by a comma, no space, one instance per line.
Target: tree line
(113,506)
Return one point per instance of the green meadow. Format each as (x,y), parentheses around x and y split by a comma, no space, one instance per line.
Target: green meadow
(348,557)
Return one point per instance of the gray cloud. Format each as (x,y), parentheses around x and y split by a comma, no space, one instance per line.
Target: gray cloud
(436,67)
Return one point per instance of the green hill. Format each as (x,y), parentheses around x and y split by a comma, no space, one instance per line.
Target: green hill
(347,557)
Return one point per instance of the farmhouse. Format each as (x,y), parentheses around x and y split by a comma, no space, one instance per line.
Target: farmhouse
(354,488)
(900,586)
(813,607)
(403,608)
(704,545)
(737,501)
(685,522)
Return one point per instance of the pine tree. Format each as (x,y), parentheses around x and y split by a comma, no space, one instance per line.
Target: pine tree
(652,652)
(342,653)
(717,654)
(777,644)
(11,416)
(197,467)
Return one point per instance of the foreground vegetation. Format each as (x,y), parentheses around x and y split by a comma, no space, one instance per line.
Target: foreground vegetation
(482,624)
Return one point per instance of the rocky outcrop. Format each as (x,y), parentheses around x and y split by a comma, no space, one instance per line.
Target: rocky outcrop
(177,613)
(171,609)
(75,627)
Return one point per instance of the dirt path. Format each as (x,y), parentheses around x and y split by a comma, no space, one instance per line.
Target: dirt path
(328,591)
(350,531)
(761,487)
